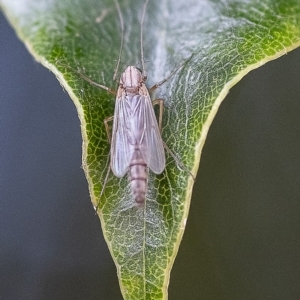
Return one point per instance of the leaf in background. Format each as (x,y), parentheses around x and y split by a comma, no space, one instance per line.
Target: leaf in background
(226,39)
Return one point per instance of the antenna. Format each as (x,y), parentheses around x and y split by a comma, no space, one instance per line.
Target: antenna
(144,73)
(122,38)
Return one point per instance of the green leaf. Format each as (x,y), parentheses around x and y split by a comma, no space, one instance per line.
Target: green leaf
(225,40)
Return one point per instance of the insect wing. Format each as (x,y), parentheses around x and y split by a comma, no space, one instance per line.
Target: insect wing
(121,149)
(152,147)
(135,128)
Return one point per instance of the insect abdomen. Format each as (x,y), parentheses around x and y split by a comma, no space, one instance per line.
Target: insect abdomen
(138,177)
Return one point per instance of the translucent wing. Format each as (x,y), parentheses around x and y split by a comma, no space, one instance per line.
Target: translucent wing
(121,149)
(135,129)
(151,146)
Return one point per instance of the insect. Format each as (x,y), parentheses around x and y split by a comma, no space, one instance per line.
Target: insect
(136,142)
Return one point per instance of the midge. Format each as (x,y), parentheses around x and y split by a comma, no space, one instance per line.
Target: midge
(136,142)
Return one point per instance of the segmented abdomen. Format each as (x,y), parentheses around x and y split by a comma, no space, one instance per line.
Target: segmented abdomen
(138,177)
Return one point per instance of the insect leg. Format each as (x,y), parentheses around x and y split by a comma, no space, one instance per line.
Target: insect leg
(159,102)
(155,86)
(178,161)
(107,127)
(102,191)
(108,170)
(111,91)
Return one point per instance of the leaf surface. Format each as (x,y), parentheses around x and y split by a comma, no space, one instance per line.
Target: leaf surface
(223,41)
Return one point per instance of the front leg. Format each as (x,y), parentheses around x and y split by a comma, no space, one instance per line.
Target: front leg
(107,127)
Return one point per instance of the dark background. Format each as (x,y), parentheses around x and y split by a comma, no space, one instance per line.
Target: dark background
(242,237)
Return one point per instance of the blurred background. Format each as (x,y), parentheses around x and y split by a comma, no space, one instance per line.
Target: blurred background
(242,236)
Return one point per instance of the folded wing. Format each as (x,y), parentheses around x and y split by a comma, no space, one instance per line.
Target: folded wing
(135,128)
